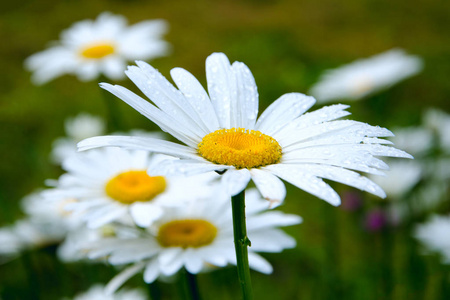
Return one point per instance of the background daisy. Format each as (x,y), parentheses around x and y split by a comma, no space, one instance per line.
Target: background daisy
(102,46)
(366,76)
(112,184)
(196,236)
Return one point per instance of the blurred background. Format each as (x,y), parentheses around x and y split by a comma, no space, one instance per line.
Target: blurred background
(287,45)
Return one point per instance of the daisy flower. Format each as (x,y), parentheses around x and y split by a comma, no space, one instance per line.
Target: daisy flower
(77,128)
(197,236)
(10,244)
(434,235)
(400,179)
(221,132)
(45,224)
(97,292)
(112,184)
(366,76)
(103,46)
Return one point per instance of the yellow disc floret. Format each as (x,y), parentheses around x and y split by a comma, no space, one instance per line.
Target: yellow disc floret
(187,233)
(240,147)
(133,186)
(97,51)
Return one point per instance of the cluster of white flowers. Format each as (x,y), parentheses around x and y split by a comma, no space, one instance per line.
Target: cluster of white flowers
(428,175)
(143,203)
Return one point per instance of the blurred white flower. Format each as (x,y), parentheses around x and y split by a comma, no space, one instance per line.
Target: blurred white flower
(97,292)
(196,236)
(77,128)
(102,46)
(439,121)
(366,76)
(222,133)
(401,177)
(415,140)
(44,224)
(10,244)
(435,236)
(112,184)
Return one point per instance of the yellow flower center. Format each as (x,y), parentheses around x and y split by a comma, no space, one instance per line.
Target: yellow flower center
(97,51)
(187,233)
(240,147)
(133,186)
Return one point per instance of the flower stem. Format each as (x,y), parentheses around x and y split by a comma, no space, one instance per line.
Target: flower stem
(154,291)
(241,242)
(189,285)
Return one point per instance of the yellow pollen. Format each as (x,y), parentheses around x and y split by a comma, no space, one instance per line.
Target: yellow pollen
(97,51)
(187,233)
(133,186)
(240,147)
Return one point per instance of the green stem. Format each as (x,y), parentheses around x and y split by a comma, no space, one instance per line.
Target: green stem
(189,285)
(241,242)
(154,291)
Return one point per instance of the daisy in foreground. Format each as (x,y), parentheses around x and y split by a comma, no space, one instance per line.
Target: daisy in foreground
(221,132)
(112,184)
(104,45)
(366,76)
(197,236)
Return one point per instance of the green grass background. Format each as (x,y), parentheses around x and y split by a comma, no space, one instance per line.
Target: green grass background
(286,44)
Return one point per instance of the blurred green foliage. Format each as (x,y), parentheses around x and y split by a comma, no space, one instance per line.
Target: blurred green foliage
(286,44)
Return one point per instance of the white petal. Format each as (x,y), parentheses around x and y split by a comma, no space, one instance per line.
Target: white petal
(247,95)
(270,186)
(158,89)
(259,264)
(166,122)
(123,276)
(197,97)
(103,215)
(168,255)
(283,111)
(344,176)
(306,182)
(271,240)
(221,88)
(236,180)
(324,114)
(139,143)
(144,214)
(151,271)
(192,262)
(185,167)
(271,219)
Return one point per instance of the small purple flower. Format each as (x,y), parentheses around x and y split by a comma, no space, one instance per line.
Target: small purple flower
(375,220)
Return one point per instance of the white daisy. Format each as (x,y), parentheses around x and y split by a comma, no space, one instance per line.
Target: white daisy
(439,121)
(196,236)
(366,76)
(112,184)
(97,292)
(400,179)
(45,224)
(104,45)
(434,235)
(221,132)
(10,244)
(77,128)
